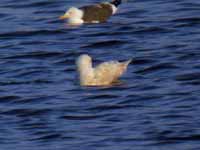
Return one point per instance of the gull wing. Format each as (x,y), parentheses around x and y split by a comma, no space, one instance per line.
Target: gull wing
(99,12)
(108,72)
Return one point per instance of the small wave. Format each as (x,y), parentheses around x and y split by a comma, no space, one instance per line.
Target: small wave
(180,138)
(2,15)
(104,44)
(103,96)
(82,117)
(188,76)
(36,55)
(109,107)
(49,136)
(142,61)
(26,112)
(30,33)
(28,5)
(37,81)
(157,67)
(9,98)
(33,100)
(152,30)
(189,20)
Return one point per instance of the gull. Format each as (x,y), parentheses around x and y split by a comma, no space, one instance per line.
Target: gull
(104,74)
(96,13)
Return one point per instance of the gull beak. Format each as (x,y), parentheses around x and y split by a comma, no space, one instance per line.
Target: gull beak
(65,16)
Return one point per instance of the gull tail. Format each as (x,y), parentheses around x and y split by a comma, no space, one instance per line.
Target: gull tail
(125,64)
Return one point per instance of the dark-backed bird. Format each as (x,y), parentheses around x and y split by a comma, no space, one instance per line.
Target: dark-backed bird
(96,13)
(103,74)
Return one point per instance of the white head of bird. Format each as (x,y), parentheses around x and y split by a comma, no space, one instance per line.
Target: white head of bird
(84,67)
(73,15)
(84,62)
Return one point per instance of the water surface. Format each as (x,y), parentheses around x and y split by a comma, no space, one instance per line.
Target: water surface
(43,107)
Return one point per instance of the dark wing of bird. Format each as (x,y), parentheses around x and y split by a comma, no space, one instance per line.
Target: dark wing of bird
(99,12)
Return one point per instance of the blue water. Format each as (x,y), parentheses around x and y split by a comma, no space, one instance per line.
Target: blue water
(43,107)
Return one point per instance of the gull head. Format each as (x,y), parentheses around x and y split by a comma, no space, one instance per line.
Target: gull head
(73,12)
(84,62)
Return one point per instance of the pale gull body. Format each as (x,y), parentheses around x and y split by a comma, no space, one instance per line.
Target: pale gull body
(104,74)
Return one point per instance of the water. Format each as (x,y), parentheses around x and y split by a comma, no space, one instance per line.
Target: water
(43,107)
